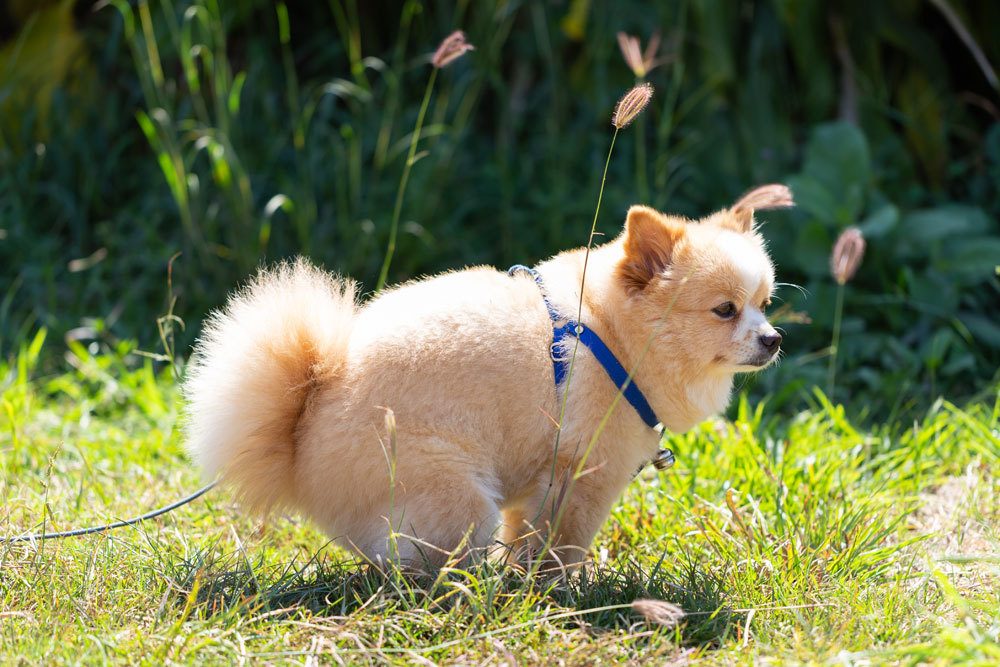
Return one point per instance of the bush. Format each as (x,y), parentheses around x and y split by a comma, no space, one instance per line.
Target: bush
(236,133)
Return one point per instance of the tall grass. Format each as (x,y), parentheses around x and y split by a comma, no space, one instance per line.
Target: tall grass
(629,107)
(448,51)
(845,259)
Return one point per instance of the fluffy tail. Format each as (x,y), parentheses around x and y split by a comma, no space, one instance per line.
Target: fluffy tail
(252,372)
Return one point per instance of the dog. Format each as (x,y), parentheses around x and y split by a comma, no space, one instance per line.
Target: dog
(429,421)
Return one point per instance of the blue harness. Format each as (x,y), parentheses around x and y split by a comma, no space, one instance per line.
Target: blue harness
(607,359)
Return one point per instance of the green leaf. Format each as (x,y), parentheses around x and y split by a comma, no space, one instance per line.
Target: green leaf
(813,198)
(284,30)
(880,223)
(972,258)
(930,291)
(934,350)
(36,346)
(920,104)
(278,202)
(234,94)
(163,156)
(984,329)
(812,250)
(837,157)
(931,224)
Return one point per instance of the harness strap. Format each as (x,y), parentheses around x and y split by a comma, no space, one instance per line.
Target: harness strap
(593,342)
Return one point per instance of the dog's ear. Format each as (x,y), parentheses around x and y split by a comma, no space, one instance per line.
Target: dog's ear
(761,198)
(650,239)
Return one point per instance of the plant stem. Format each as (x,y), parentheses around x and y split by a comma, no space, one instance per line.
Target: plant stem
(580,468)
(398,208)
(583,283)
(641,177)
(593,224)
(557,511)
(831,375)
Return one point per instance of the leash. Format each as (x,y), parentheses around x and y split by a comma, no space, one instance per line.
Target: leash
(111,526)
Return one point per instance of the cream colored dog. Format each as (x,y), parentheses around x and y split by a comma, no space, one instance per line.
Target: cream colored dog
(292,382)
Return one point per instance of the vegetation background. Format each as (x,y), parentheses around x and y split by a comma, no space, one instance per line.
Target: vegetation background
(153,153)
(238,133)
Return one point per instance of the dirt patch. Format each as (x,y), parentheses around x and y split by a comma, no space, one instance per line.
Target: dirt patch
(962,515)
(962,518)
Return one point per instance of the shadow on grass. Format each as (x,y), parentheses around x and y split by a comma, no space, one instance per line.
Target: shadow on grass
(326,585)
(707,621)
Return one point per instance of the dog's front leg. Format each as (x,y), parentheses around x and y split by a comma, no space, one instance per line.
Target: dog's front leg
(563,517)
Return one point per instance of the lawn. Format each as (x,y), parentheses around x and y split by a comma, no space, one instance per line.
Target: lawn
(154,152)
(783,539)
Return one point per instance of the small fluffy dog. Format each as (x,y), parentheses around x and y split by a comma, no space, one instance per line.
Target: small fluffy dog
(423,421)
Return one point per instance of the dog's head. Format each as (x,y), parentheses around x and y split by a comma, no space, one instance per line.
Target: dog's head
(703,287)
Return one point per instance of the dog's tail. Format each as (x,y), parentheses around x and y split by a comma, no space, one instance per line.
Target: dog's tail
(254,367)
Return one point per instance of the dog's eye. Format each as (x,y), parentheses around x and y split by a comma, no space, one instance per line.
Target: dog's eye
(726,311)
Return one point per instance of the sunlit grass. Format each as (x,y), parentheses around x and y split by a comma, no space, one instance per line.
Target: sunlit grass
(792,538)
(801,538)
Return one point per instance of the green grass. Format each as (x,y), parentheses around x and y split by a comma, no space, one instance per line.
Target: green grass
(237,133)
(783,539)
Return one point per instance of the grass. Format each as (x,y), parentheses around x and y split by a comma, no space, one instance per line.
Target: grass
(792,538)
(783,539)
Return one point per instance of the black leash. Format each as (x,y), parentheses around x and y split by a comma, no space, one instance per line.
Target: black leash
(111,526)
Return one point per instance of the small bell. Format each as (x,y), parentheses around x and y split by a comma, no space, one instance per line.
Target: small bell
(664,459)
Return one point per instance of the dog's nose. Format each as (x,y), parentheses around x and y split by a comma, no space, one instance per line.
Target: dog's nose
(771,341)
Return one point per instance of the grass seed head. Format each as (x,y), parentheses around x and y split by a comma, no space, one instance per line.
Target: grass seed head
(659,612)
(452,48)
(640,62)
(847,254)
(631,105)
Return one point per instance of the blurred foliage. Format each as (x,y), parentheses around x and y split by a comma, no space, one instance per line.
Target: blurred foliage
(241,132)
(38,58)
